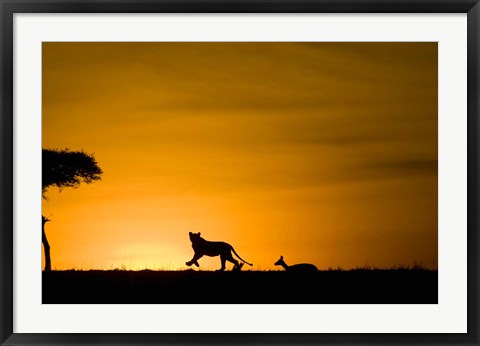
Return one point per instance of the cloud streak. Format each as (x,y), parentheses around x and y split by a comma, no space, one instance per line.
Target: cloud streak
(258,142)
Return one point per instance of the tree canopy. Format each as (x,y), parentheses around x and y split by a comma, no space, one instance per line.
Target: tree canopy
(65,168)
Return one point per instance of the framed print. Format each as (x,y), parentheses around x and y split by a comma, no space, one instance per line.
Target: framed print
(239,173)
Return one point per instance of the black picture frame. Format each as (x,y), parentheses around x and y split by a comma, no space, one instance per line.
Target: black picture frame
(10,7)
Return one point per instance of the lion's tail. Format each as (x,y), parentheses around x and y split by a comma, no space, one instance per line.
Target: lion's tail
(250,264)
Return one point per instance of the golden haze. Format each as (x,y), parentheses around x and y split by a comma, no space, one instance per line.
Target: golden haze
(320,152)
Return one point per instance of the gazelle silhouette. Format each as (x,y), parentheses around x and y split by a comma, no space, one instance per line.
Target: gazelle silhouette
(298,268)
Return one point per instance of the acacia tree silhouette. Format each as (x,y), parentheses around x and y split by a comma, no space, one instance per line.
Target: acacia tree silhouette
(65,168)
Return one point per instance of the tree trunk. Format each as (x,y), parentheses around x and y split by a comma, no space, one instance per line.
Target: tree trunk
(46,248)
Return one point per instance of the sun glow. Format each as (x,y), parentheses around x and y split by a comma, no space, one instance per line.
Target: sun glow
(323,153)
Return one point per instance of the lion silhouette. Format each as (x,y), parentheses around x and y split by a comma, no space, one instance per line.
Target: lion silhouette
(202,247)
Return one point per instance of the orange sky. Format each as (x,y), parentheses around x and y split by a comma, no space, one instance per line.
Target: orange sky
(321,152)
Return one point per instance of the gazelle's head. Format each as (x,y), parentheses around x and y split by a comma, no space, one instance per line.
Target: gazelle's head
(280,261)
(44,220)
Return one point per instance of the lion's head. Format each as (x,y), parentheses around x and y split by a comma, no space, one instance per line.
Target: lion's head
(194,237)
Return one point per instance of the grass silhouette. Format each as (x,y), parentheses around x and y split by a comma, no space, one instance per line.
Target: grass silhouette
(363,285)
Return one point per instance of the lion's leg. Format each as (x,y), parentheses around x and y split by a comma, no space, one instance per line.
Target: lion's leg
(233,260)
(222,259)
(194,260)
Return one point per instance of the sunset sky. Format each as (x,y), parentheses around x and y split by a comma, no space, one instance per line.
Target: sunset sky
(321,152)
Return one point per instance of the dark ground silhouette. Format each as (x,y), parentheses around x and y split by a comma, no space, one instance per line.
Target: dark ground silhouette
(402,286)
